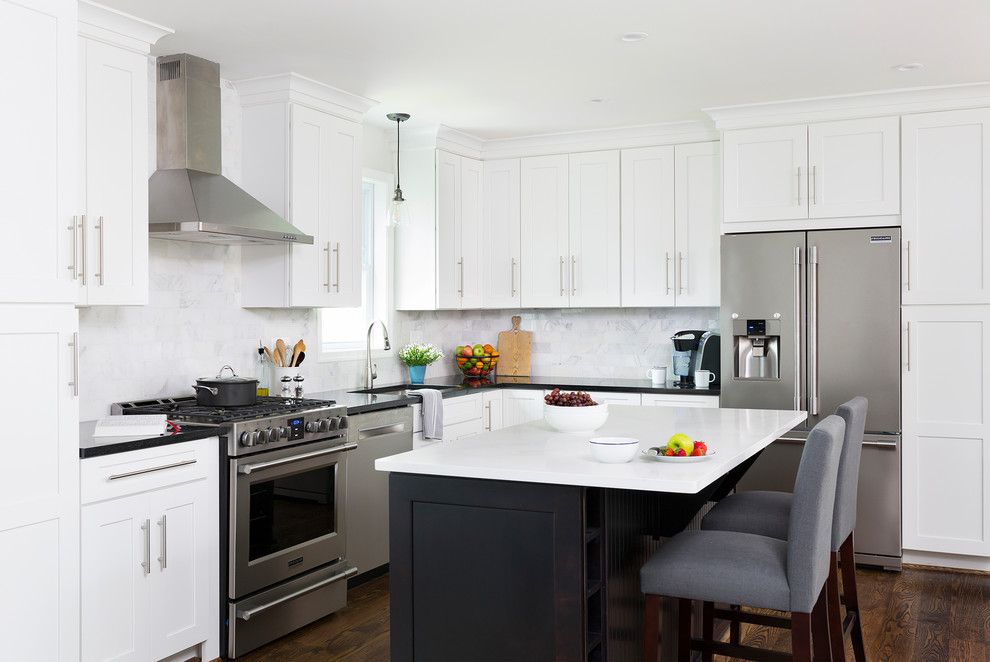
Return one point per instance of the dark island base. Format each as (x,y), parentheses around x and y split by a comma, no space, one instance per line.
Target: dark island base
(488,570)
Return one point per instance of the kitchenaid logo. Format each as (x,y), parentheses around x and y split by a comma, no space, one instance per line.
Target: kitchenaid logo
(295,561)
(881,239)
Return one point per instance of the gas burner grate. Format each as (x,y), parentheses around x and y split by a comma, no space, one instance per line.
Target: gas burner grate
(187,409)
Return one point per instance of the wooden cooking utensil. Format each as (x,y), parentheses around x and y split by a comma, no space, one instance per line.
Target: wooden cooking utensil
(299,360)
(296,350)
(269,353)
(280,352)
(515,349)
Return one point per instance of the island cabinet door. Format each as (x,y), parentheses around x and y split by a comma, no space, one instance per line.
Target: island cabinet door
(485,570)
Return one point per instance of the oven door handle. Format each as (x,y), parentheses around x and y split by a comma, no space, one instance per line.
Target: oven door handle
(248,468)
(246,614)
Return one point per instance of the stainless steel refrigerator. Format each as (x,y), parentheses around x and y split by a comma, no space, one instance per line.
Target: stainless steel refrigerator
(808,321)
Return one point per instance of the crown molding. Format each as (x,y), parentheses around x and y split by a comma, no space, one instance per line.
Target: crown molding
(117,28)
(851,106)
(293,88)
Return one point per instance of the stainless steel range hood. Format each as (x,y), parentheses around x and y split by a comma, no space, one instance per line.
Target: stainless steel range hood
(188,198)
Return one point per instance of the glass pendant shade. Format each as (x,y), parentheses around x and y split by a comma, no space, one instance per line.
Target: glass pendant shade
(398,209)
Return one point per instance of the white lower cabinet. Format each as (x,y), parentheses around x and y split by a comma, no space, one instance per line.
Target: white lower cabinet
(946,443)
(521,405)
(462,416)
(615,397)
(149,553)
(664,400)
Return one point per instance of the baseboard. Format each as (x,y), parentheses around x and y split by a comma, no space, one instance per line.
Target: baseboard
(956,562)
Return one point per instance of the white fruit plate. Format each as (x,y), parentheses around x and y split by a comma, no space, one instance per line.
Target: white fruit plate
(651,454)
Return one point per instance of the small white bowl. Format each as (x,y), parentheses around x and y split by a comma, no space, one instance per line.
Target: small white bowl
(613,450)
(575,419)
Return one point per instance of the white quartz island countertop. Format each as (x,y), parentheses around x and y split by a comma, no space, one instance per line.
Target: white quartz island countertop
(536,453)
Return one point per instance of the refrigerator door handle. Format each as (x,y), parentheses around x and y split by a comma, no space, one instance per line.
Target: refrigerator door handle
(797,328)
(815,395)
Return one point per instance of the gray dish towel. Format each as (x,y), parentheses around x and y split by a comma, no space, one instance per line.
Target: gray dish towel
(432,413)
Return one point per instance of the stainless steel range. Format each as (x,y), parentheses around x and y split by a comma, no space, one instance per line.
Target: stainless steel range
(282,555)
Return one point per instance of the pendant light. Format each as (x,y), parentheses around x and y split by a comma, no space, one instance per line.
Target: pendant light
(397,210)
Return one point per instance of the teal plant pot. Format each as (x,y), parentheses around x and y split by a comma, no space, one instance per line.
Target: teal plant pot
(417,373)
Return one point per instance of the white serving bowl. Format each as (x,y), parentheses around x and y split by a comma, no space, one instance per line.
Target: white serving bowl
(575,419)
(613,450)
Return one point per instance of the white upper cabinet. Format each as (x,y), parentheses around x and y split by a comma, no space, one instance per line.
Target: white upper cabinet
(459,216)
(814,171)
(38,134)
(303,160)
(670,225)
(111,234)
(543,231)
(501,260)
(946,217)
(593,230)
(570,230)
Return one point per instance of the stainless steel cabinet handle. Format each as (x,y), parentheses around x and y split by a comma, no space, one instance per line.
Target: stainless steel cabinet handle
(512,276)
(74,267)
(248,468)
(329,283)
(561,274)
(666,270)
(151,469)
(797,328)
(163,559)
(886,445)
(99,227)
(336,250)
(815,395)
(460,268)
(799,186)
(82,228)
(75,363)
(680,272)
(246,614)
(488,406)
(573,278)
(907,269)
(146,563)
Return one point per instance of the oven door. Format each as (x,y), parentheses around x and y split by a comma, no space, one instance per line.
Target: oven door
(286,513)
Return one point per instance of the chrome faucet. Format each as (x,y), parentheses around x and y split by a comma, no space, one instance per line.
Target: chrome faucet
(372,371)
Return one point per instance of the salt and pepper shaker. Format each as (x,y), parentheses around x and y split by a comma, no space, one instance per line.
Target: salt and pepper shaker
(298,379)
(286,387)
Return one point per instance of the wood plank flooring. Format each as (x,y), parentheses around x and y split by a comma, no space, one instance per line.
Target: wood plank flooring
(917,615)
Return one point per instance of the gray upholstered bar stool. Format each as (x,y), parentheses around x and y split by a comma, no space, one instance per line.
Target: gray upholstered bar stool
(754,570)
(768,513)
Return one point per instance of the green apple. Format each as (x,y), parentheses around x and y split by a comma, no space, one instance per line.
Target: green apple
(479,350)
(679,441)
(460,348)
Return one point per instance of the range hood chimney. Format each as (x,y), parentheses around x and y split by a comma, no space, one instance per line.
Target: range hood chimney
(188,198)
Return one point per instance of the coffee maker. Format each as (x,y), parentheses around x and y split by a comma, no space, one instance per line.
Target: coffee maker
(685,347)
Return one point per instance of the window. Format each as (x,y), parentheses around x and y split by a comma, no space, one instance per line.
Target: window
(343,330)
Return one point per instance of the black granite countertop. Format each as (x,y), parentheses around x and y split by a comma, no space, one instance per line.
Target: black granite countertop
(90,446)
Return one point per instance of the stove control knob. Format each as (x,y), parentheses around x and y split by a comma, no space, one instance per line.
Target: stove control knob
(283,433)
(334,422)
(312,426)
(262,436)
(273,435)
(324,424)
(246,439)
(343,422)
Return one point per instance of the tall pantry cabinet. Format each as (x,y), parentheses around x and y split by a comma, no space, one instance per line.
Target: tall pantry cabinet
(946,326)
(39,493)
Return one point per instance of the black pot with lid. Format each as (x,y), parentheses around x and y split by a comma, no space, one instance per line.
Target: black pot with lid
(221,391)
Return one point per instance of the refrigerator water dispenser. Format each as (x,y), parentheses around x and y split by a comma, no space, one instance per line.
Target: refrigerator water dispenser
(756,349)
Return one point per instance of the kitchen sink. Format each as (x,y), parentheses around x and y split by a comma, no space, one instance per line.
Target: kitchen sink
(402,388)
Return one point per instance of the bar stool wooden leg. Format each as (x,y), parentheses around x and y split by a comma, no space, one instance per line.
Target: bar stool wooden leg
(734,627)
(801,637)
(707,627)
(819,627)
(651,638)
(833,604)
(684,630)
(853,622)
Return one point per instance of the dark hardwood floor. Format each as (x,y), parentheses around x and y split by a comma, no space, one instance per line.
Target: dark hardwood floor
(917,615)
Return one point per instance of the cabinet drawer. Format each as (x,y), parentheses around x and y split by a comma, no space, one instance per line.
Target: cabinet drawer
(461,408)
(660,400)
(113,476)
(463,429)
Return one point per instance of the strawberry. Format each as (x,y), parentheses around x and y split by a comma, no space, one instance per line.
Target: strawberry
(697,451)
(700,448)
(680,453)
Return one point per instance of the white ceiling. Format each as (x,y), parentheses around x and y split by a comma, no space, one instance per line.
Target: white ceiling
(511,68)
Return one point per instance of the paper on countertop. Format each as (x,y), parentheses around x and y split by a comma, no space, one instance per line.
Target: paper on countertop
(131,426)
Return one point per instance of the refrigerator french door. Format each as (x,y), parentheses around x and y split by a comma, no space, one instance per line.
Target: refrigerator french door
(810,320)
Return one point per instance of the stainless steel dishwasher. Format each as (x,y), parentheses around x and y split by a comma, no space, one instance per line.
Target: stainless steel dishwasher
(378,434)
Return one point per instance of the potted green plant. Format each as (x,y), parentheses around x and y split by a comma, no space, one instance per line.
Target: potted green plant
(417,356)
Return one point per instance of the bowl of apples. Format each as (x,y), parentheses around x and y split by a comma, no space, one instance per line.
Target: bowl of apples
(476,360)
(573,411)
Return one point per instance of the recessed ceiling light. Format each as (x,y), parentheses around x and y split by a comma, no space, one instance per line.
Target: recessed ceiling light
(597,100)
(633,36)
(911,66)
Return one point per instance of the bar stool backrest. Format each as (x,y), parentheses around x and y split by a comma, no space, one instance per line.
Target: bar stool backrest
(844,518)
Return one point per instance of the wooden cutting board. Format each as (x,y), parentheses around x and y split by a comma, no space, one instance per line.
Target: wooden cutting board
(515,348)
